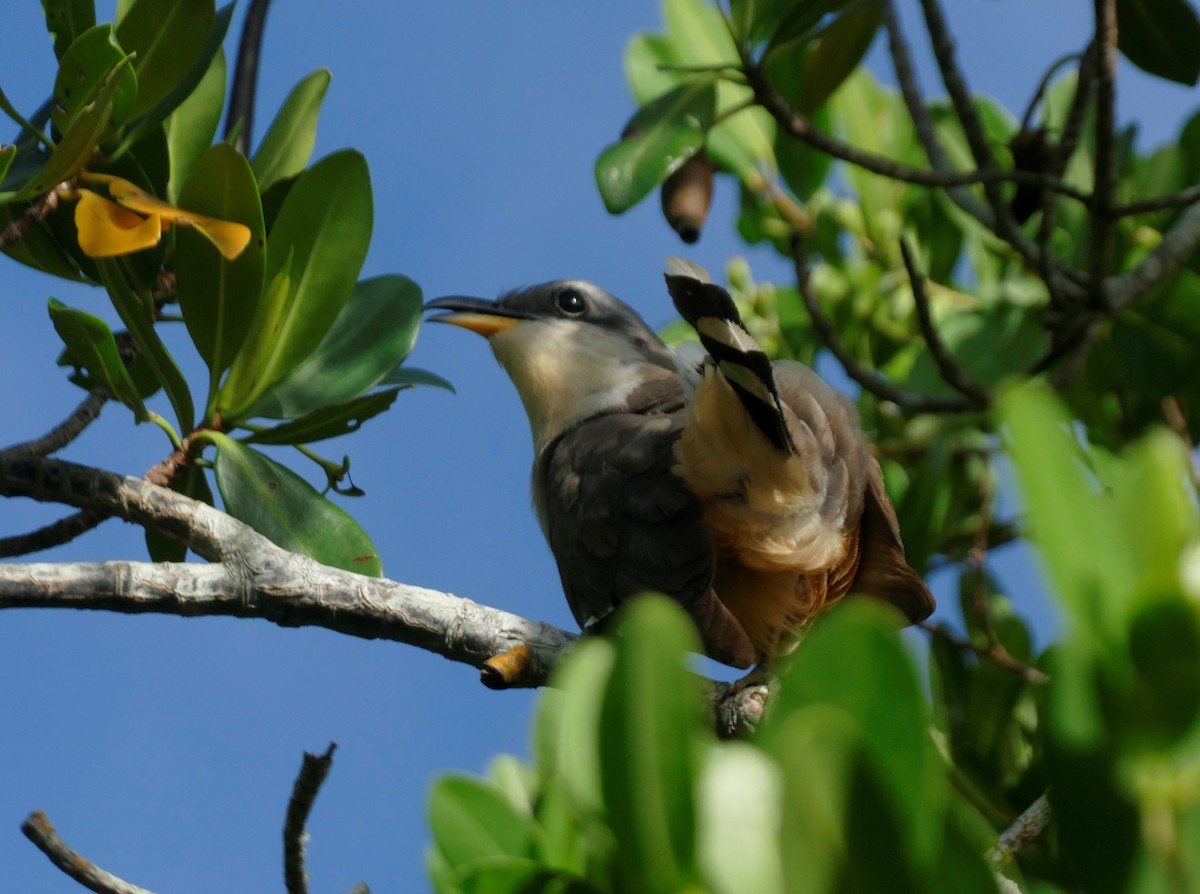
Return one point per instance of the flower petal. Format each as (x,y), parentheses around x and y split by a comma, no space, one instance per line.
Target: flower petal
(229,237)
(106,229)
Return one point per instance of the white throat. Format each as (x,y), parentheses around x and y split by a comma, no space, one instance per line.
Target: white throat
(566,371)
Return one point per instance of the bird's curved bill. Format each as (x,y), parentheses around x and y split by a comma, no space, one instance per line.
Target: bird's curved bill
(477,314)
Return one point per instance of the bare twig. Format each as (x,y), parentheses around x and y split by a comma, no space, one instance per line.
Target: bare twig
(245,77)
(868,379)
(312,774)
(801,127)
(32,216)
(1063,150)
(1026,828)
(1001,657)
(1184,197)
(952,370)
(972,126)
(1105,188)
(910,89)
(54,534)
(1168,258)
(63,433)
(1177,420)
(37,828)
(956,85)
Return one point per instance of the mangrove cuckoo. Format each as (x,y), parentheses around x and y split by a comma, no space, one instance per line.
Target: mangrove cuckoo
(744,489)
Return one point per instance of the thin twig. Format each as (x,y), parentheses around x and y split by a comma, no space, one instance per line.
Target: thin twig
(1001,657)
(37,828)
(1044,85)
(801,127)
(32,216)
(1177,420)
(868,379)
(1025,828)
(308,783)
(1173,251)
(1105,180)
(952,370)
(1063,150)
(956,85)
(910,89)
(1184,197)
(972,126)
(245,78)
(63,433)
(54,534)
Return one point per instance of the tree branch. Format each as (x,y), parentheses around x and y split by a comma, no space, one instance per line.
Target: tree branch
(968,117)
(312,774)
(910,89)
(54,534)
(1105,188)
(37,828)
(245,77)
(953,372)
(63,433)
(1169,257)
(32,216)
(994,652)
(1028,826)
(872,381)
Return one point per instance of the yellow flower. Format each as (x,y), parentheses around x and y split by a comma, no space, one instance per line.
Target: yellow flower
(108,228)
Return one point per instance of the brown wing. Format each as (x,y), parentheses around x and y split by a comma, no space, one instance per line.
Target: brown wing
(619,522)
(883,571)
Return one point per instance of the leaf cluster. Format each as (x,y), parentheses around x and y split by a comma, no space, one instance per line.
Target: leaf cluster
(257,257)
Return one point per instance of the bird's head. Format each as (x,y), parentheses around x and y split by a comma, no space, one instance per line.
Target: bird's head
(572,349)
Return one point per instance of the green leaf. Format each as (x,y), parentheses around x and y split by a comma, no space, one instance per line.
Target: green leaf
(190,83)
(1161,37)
(471,819)
(67,19)
(818,766)
(93,347)
(7,154)
(663,135)
(566,740)
(842,46)
(650,729)
(38,248)
(289,511)
(1070,518)
(289,141)
(740,801)
(375,332)
(1164,645)
(515,875)
(167,37)
(410,375)
(853,660)
(219,297)
(249,366)
(135,307)
(321,236)
(191,128)
(78,145)
(328,422)
(81,76)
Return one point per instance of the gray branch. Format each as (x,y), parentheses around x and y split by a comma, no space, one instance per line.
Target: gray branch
(39,830)
(1170,255)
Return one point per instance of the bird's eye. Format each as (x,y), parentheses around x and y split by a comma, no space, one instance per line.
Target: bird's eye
(571,301)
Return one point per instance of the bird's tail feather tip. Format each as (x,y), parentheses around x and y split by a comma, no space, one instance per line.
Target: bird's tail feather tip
(682,267)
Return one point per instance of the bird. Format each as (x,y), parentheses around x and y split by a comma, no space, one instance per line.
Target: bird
(742,488)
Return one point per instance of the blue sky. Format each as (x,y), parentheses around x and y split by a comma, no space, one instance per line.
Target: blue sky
(165,748)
